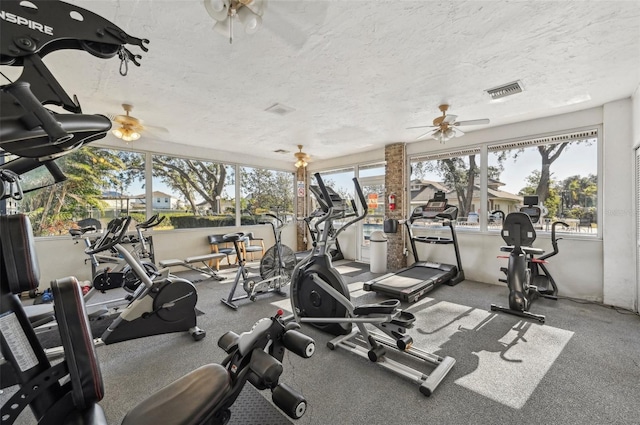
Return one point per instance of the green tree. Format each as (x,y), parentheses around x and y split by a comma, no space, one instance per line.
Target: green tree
(457,173)
(552,203)
(267,190)
(87,171)
(193,178)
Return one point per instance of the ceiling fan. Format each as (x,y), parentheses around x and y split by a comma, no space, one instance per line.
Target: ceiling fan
(445,127)
(302,159)
(128,127)
(288,20)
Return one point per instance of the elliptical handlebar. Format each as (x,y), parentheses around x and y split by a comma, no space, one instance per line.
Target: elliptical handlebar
(329,215)
(112,237)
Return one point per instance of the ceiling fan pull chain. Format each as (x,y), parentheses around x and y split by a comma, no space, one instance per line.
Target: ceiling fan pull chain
(124,62)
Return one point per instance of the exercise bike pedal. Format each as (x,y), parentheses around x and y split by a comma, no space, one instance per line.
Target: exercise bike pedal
(197,334)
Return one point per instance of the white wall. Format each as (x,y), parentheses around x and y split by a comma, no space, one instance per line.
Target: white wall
(618,206)
(479,253)
(635,121)
(60,256)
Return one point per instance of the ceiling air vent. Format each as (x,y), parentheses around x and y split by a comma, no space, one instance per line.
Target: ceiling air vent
(506,90)
(279,109)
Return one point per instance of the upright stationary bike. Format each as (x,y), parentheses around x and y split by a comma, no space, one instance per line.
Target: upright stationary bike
(276,267)
(109,270)
(319,296)
(526,275)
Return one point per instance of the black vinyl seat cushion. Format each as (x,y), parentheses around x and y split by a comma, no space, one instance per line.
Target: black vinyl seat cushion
(79,349)
(23,272)
(187,401)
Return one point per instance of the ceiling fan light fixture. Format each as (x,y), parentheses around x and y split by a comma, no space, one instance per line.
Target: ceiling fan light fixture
(126,134)
(301,158)
(251,22)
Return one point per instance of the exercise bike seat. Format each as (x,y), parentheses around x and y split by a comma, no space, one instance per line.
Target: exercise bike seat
(233,237)
(81,231)
(526,249)
(384,307)
(186,401)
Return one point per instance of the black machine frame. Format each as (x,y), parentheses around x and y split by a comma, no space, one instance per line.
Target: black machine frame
(412,282)
(526,274)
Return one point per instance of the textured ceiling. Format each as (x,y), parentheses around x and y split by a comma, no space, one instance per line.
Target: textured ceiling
(356,73)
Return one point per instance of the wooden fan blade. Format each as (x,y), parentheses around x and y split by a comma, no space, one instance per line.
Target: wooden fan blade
(473,122)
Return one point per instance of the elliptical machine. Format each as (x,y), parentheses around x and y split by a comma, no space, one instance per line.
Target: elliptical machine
(526,275)
(319,296)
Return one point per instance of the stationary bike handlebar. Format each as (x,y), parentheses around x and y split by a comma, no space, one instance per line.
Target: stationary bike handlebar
(112,237)
(554,240)
(152,222)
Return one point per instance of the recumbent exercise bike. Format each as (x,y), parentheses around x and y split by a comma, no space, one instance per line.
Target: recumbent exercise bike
(319,296)
(526,274)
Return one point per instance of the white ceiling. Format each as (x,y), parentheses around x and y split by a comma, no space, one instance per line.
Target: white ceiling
(356,73)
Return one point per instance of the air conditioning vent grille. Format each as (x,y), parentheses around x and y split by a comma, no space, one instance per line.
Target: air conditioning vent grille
(505,90)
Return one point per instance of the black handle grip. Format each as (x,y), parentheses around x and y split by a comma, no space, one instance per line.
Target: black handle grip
(363,200)
(500,212)
(56,172)
(323,189)
(112,236)
(21,91)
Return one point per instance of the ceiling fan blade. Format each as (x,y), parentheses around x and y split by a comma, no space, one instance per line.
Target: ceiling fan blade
(457,132)
(473,122)
(423,126)
(427,134)
(449,119)
(294,21)
(156,129)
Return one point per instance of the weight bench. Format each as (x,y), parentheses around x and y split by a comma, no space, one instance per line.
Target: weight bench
(189,261)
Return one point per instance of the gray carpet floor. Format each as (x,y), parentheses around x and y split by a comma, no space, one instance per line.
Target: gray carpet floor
(581,367)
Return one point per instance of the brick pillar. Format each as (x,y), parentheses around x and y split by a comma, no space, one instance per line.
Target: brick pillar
(395,182)
(301,202)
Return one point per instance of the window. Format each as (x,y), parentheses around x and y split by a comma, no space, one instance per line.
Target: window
(266,191)
(562,170)
(97,187)
(203,192)
(372,180)
(341,181)
(457,174)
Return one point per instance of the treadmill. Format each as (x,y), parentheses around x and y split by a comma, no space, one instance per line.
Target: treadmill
(411,283)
